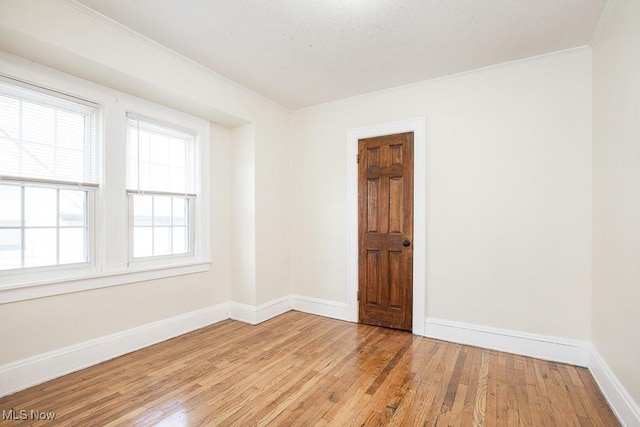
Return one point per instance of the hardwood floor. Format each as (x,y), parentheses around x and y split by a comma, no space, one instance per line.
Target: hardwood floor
(300,369)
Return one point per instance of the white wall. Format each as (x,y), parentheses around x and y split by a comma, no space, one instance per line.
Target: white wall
(508,193)
(272,212)
(243,212)
(616,199)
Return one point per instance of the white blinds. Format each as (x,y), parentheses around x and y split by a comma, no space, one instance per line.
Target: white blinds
(161,159)
(47,138)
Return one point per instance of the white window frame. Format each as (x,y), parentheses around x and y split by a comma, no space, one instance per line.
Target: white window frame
(192,196)
(36,93)
(110,264)
(90,213)
(162,258)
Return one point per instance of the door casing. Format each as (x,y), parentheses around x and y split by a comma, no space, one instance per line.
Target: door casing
(418,127)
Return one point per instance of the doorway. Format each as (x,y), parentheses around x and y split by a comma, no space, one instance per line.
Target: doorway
(418,127)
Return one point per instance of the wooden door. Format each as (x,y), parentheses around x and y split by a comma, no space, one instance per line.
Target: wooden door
(385,226)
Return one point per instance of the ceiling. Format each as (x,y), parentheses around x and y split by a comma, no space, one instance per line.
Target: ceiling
(300,53)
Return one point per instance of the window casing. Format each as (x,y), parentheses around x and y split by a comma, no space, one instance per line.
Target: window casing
(48,175)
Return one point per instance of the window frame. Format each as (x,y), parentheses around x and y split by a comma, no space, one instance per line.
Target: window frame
(147,260)
(36,93)
(90,215)
(192,196)
(110,265)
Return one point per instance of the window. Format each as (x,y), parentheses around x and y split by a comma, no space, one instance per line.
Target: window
(161,188)
(48,174)
(91,194)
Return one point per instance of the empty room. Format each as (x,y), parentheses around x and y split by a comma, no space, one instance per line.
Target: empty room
(323,212)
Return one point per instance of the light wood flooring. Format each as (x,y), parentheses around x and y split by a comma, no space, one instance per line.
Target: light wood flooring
(301,369)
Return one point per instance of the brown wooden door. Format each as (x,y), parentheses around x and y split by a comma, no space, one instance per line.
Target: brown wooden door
(385,226)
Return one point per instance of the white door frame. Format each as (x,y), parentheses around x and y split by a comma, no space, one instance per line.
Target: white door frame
(418,127)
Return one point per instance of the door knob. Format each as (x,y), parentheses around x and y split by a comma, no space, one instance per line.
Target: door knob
(406,243)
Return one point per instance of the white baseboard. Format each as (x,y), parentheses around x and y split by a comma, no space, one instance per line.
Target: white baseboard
(321,307)
(34,370)
(620,401)
(538,346)
(258,314)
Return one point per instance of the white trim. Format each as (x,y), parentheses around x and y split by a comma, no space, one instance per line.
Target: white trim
(321,307)
(532,345)
(620,401)
(254,315)
(418,127)
(65,285)
(28,372)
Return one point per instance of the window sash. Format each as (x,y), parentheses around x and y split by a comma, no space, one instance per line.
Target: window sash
(58,228)
(189,225)
(65,168)
(137,123)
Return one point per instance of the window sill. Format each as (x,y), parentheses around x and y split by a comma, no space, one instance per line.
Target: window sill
(64,285)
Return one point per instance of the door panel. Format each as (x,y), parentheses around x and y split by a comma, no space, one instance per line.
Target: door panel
(385,222)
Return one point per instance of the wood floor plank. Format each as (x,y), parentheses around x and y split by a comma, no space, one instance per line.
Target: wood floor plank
(480,400)
(301,369)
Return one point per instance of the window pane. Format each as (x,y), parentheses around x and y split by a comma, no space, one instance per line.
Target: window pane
(38,123)
(72,208)
(70,130)
(162,210)
(159,177)
(10,113)
(48,138)
(142,210)
(177,182)
(9,155)
(40,247)
(144,172)
(10,206)
(142,242)
(144,146)
(40,206)
(68,160)
(177,153)
(180,240)
(162,240)
(160,149)
(132,174)
(179,211)
(10,248)
(37,160)
(72,245)
(163,157)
